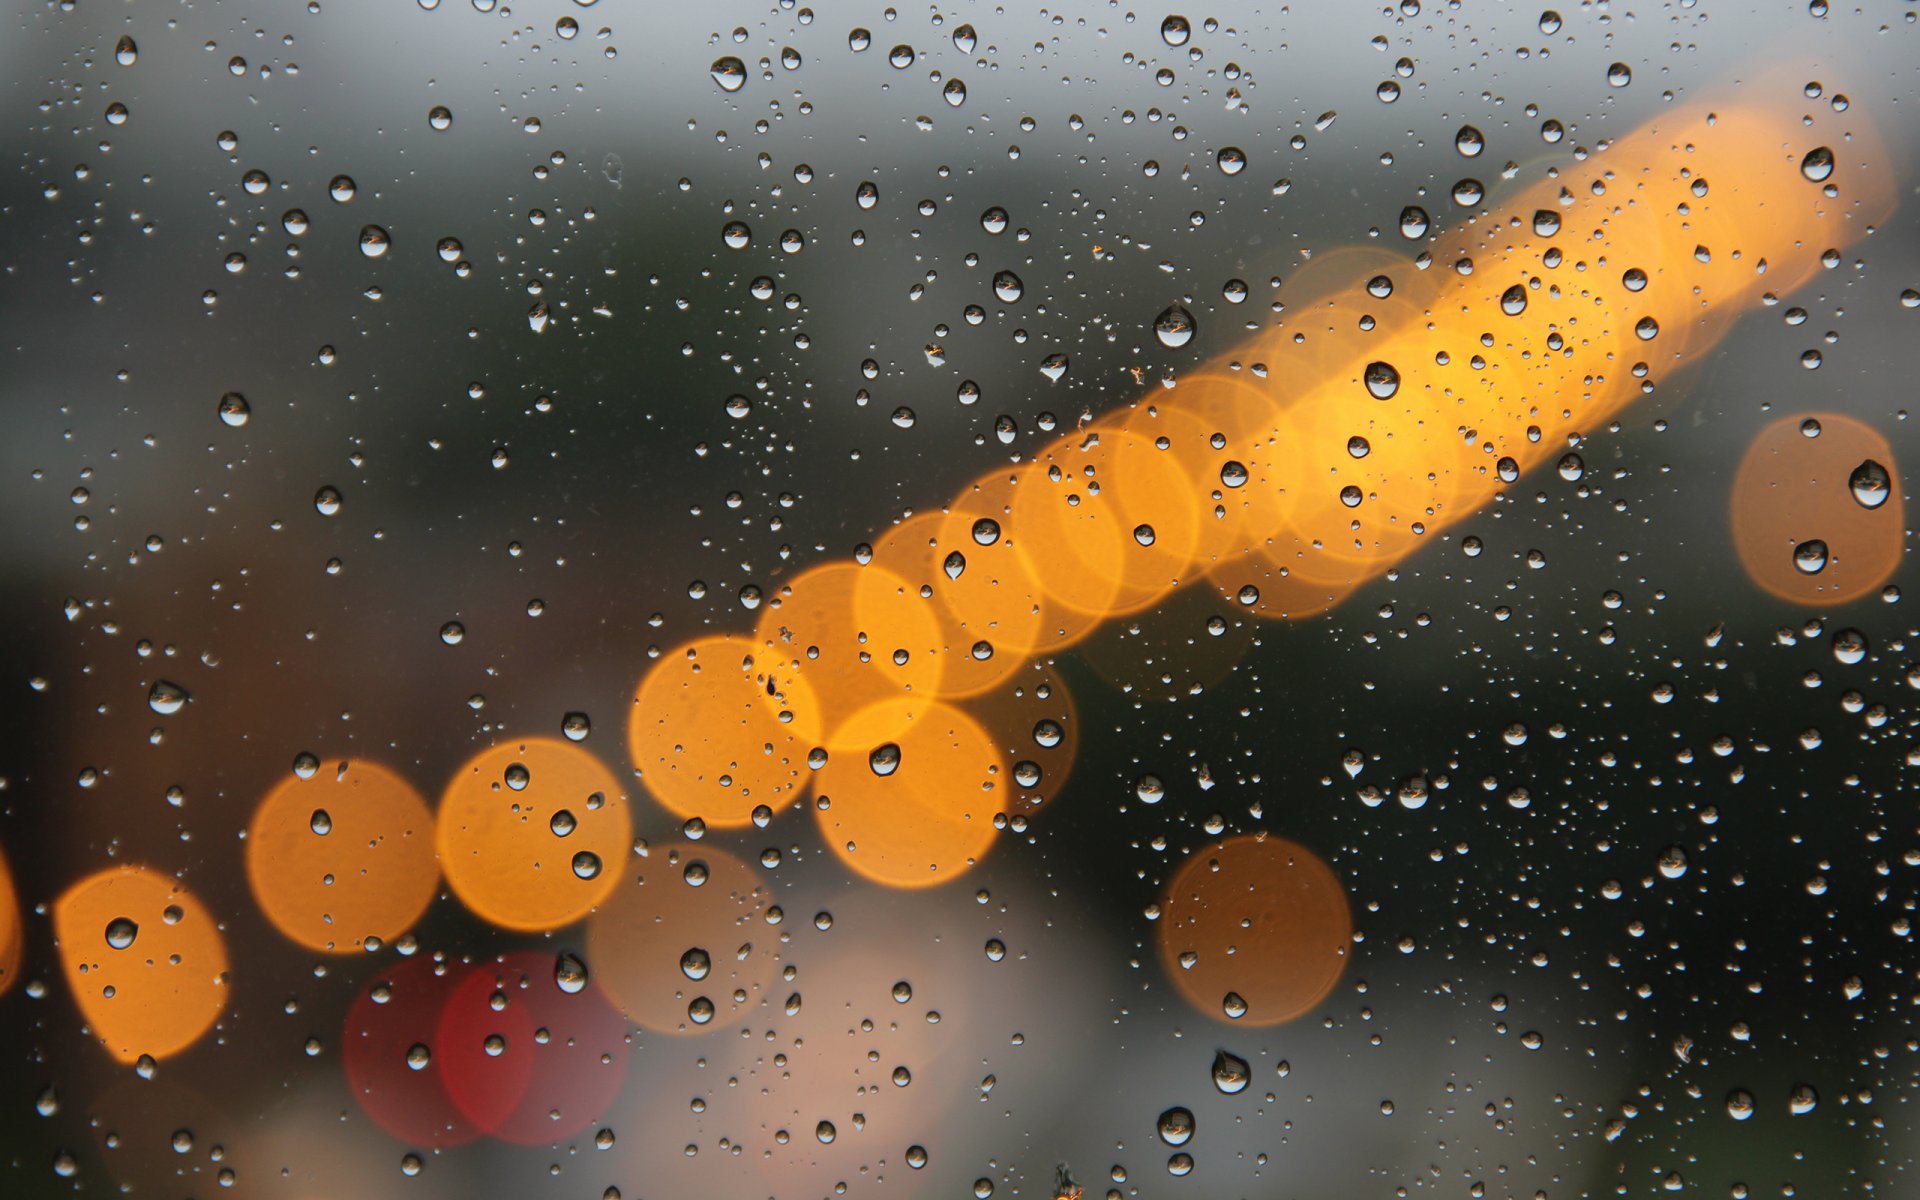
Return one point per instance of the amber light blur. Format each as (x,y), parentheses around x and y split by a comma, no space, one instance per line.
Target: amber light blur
(1285,475)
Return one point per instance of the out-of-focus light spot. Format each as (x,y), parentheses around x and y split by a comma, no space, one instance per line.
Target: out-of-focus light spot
(930,817)
(342,856)
(144,960)
(533,834)
(1792,490)
(1259,917)
(662,940)
(708,737)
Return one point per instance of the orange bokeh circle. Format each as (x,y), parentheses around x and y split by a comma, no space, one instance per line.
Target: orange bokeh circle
(1259,917)
(709,739)
(1792,488)
(342,856)
(931,818)
(693,898)
(144,960)
(852,635)
(533,834)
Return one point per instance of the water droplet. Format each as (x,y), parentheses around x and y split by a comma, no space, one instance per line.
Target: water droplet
(586,864)
(955,564)
(1817,165)
(1176,1126)
(1810,556)
(994,220)
(563,822)
(1231,160)
(1007,286)
(1850,647)
(374,241)
(440,117)
(1053,366)
(729,72)
(954,93)
(1382,380)
(900,57)
(419,1056)
(1413,222)
(305,765)
(569,973)
(1350,496)
(1469,192)
(321,822)
(825,1132)
(1175,30)
(121,931)
(1231,1074)
(1149,789)
(1802,1100)
(1174,327)
(1358,446)
(166,698)
(1634,279)
(1143,534)
(1549,22)
(1740,1104)
(867,194)
(326,501)
(858,39)
(1233,473)
(1234,291)
(1672,862)
(1513,301)
(1870,484)
(1234,1005)
(964,39)
(1572,467)
(1619,75)
(885,759)
(696,963)
(125,52)
(986,531)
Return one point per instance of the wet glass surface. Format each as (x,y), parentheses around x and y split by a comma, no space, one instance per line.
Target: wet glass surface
(667,601)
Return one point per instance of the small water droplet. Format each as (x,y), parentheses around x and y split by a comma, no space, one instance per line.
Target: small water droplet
(1413,222)
(1053,366)
(374,241)
(321,822)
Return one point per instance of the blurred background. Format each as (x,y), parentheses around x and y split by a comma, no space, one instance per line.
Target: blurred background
(391,383)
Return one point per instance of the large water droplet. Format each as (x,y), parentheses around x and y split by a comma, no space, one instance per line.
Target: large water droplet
(1175,30)
(885,759)
(125,52)
(730,73)
(121,931)
(374,241)
(1053,366)
(1817,164)
(166,698)
(955,564)
(1007,286)
(1810,556)
(1174,327)
(1231,160)
(964,39)
(1513,301)
(586,864)
(954,93)
(1802,1099)
(1382,380)
(994,220)
(1740,1104)
(569,973)
(695,963)
(1619,75)
(1231,1074)
(1413,222)
(1176,1126)
(1870,484)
